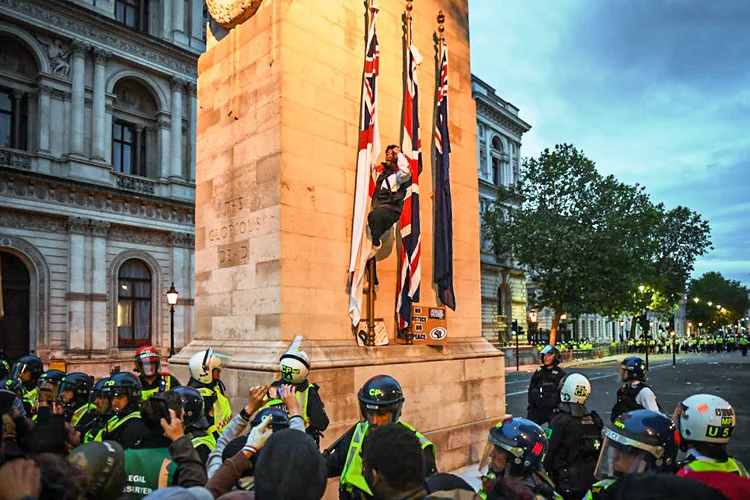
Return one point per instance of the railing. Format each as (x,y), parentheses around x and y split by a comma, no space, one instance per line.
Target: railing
(134,183)
(15,159)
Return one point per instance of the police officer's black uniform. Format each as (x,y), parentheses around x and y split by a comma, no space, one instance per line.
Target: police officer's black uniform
(544,388)
(126,427)
(574,445)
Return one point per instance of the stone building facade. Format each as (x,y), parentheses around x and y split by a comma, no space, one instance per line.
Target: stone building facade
(499,133)
(97,176)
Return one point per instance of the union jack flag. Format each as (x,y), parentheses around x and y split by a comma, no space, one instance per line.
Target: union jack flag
(409,224)
(369,149)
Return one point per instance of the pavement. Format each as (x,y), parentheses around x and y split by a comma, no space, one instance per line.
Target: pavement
(726,375)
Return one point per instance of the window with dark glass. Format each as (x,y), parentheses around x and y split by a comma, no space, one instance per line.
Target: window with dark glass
(134,304)
(128,149)
(13,119)
(132,13)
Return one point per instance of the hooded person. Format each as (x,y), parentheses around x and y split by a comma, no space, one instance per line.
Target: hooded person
(575,439)
(544,386)
(294,367)
(205,375)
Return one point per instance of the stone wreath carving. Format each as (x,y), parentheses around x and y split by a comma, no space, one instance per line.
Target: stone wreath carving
(230,13)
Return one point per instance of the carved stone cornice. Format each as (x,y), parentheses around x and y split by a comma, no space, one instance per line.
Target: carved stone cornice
(77,225)
(230,13)
(139,236)
(69,19)
(17,219)
(103,199)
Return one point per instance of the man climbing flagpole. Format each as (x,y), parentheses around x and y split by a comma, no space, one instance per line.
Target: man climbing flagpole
(409,278)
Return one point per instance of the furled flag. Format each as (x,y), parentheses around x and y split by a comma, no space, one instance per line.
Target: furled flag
(443,247)
(411,239)
(369,149)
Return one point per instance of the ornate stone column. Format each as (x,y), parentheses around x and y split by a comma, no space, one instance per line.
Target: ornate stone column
(108,110)
(17,101)
(78,74)
(44,118)
(99,230)
(175,139)
(192,135)
(98,105)
(178,21)
(76,284)
(164,149)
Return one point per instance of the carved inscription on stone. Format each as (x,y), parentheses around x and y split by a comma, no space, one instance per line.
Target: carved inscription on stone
(234,254)
(238,228)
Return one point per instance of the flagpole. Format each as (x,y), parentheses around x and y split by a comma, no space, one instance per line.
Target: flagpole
(409,7)
(409,337)
(370,342)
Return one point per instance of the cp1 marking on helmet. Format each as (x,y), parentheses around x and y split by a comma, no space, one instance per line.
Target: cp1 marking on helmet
(581,391)
(376,392)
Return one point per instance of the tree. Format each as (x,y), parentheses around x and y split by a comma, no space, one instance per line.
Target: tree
(729,301)
(581,236)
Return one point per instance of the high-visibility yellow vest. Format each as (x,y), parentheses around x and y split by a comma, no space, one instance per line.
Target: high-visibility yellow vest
(352,476)
(80,412)
(147,393)
(731,466)
(114,423)
(207,440)
(222,409)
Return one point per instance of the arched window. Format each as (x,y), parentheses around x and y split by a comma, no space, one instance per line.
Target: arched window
(18,71)
(134,304)
(497,162)
(134,131)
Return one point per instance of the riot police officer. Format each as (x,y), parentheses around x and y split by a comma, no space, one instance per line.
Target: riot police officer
(195,421)
(94,431)
(28,369)
(205,375)
(544,386)
(706,423)
(380,402)
(125,427)
(511,465)
(148,366)
(75,392)
(575,439)
(634,394)
(638,441)
(294,366)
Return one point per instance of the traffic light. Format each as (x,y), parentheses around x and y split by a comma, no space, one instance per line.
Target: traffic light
(643,322)
(671,323)
(514,326)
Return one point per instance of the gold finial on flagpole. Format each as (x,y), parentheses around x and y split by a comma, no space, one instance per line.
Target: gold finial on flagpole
(441,27)
(409,7)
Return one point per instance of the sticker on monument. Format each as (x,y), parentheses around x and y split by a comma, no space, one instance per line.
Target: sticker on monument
(438,333)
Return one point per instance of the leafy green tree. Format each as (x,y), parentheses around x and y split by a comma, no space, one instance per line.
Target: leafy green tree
(581,236)
(729,301)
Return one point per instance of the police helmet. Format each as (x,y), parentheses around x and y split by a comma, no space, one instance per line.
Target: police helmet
(294,366)
(80,384)
(382,393)
(97,391)
(105,463)
(28,364)
(633,368)
(704,418)
(147,361)
(123,384)
(575,389)
(49,383)
(192,407)
(203,363)
(523,441)
(279,418)
(4,367)
(11,384)
(550,349)
(638,441)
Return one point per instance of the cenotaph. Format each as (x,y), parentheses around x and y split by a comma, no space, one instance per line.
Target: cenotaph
(279,91)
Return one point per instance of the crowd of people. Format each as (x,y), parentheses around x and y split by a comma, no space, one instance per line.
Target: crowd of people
(144,435)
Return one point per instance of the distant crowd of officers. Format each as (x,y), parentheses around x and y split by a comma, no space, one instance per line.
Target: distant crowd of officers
(561,450)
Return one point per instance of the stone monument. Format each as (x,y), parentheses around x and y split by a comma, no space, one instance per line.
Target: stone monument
(278,124)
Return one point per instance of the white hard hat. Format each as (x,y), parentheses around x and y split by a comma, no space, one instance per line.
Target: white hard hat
(294,364)
(202,363)
(705,418)
(575,388)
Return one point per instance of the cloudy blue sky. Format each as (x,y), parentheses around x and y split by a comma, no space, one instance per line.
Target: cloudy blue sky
(654,91)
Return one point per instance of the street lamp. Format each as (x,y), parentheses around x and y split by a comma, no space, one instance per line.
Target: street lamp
(710,303)
(171,300)
(642,288)
(696,300)
(718,307)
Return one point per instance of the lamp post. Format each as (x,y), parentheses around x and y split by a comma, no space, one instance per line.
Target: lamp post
(672,334)
(171,300)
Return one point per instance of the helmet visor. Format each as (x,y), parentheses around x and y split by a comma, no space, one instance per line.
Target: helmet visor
(494,459)
(149,367)
(48,389)
(19,369)
(380,415)
(616,460)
